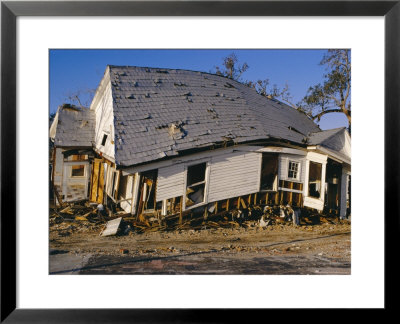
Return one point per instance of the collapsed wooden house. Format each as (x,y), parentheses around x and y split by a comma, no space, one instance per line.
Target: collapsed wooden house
(175,142)
(72,133)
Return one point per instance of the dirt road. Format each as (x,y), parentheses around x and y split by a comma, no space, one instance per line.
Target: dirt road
(276,249)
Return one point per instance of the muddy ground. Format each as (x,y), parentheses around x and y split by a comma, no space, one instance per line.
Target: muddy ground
(77,248)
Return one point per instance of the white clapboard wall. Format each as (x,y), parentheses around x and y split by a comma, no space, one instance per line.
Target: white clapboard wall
(170,182)
(103,106)
(58,170)
(233,175)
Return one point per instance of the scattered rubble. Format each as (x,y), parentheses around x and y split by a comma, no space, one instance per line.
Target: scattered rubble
(83,216)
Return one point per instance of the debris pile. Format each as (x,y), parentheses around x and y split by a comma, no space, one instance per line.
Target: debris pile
(91,217)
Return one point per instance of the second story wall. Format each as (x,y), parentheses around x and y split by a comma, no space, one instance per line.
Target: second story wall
(102,104)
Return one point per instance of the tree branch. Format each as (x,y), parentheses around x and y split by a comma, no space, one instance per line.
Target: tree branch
(319,115)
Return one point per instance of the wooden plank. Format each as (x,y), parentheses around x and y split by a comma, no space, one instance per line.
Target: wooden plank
(100,189)
(172,205)
(291,193)
(227,204)
(95,181)
(205,212)
(289,190)
(180,211)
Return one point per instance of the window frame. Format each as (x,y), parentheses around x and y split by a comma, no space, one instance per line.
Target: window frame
(77,177)
(321,192)
(205,182)
(275,183)
(298,170)
(112,188)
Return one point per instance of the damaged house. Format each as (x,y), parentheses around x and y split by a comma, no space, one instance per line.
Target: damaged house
(170,143)
(72,133)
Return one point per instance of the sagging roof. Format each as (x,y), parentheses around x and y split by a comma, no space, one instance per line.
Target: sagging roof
(73,127)
(161,112)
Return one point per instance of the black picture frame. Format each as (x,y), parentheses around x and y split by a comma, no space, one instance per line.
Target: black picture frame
(10,10)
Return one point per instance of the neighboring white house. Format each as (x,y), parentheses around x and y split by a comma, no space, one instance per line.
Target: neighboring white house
(170,141)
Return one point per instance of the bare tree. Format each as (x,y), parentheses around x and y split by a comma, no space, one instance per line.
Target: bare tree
(231,67)
(82,97)
(333,95)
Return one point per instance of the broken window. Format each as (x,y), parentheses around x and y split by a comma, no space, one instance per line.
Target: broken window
(195,184)
(125,186)
(269,171)
(112,183)
(314,180)
(148,191)
(104,140)
(333,185)
(293,170)
(77,170)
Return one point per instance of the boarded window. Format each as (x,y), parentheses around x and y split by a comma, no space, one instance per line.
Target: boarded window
(195,184)
(77,170)
(77,157)
(314,180)
(269,171)
(293,170)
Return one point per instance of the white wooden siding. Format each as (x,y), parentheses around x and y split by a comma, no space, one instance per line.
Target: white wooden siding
(343,191)
(75,188)
(233,175)
(104,120)
(58,169)
(170,182)
(315,203)
(283,167)
(340,143)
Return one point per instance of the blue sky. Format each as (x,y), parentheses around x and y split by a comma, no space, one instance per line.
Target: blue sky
(78,71)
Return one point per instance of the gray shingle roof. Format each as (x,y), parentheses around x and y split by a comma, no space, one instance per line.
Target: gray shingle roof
(160,112)
(322,136)
(75,127)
